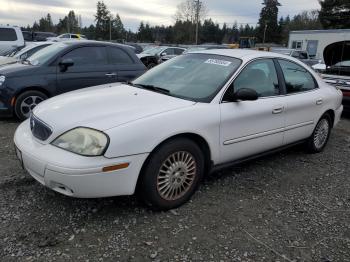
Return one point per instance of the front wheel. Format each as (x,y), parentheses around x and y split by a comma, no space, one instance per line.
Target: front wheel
(26,102)
(151,65)
(172,174)
(319,138)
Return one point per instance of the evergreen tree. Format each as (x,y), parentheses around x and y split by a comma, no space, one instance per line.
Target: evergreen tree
(72,22)
(118,31)
(46,24)
(335,14)
(103,18)
(268,22)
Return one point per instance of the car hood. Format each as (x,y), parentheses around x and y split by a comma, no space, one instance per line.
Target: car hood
(143,55)
(7,60)
(336,52)
(17,69)
(104,107)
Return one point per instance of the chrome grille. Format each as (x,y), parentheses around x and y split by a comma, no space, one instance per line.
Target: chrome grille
(40,130)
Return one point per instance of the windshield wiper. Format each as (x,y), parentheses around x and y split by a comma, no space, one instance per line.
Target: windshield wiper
(151,87)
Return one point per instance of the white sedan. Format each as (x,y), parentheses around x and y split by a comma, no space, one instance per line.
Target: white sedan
(161,133)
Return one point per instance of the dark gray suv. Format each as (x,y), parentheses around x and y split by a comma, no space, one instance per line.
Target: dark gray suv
(64,67)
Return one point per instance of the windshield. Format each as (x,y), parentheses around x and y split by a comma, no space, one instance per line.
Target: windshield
(44,55)
(18,54)
(195,77)
(153,51)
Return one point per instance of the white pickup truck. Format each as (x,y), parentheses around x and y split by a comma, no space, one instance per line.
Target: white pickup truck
(11,38)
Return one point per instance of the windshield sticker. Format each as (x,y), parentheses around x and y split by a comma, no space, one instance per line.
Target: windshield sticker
(218,62)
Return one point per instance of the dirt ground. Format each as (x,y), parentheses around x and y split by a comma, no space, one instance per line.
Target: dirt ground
(289,206)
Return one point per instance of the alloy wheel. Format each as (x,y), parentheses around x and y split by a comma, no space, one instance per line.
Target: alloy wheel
(176,175)
(29,103)
(321,133)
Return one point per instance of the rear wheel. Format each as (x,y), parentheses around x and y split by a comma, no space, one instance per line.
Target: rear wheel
(319,138)
(172,174)
(26,102)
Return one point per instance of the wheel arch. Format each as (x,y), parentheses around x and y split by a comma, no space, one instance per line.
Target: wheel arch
(30,88)
(331,114)
(198,139)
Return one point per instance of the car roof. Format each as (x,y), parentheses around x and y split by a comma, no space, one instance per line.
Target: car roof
(240,53)
(39,43)
(92,42)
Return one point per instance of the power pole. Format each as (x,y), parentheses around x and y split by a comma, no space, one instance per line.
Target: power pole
(265,33)
(110,28)
(198,3)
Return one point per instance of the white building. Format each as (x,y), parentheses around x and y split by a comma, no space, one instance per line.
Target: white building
(315,41)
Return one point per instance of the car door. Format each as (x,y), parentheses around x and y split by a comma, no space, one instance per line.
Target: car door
(122,65)
(90,68)
(252,127)
(303,101)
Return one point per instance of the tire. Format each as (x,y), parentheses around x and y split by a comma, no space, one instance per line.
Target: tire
(184,162)
(319,138)
(151,65)
(26,102)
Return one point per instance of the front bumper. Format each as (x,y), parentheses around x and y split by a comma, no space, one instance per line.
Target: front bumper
(5,111)
(74,175)
(337,115)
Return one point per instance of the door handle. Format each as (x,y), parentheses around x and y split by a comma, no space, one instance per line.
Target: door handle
(277,110)
(111,74)
(319,101)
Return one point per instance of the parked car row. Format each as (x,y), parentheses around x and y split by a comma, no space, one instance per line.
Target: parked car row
(23,54)
(298,54)
(159,134)
(67,37)
(37,36)
(11,39)
(63,67)
(154,56)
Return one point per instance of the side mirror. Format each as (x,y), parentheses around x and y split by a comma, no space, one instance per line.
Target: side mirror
(245,94)
(24,56)
(164,54)
(65,63)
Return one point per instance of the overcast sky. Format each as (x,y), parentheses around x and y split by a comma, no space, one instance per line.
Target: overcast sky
(23,12)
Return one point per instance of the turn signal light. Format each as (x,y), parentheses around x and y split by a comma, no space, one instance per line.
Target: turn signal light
(115,167)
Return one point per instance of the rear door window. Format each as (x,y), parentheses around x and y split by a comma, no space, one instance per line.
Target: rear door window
(8,34)
(118,56)
(178,51)
(169,51)
(297,78)
(87,56)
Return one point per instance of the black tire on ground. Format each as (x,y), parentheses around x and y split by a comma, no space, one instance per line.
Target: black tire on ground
(26,102)
(151,65)
(319,138)
(159,174)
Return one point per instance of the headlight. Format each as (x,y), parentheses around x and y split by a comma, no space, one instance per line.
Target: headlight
(2,80)
(83,141)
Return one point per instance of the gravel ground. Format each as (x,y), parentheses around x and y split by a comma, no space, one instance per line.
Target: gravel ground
(289,206)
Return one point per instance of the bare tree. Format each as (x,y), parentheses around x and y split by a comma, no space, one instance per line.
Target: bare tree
(187,11)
